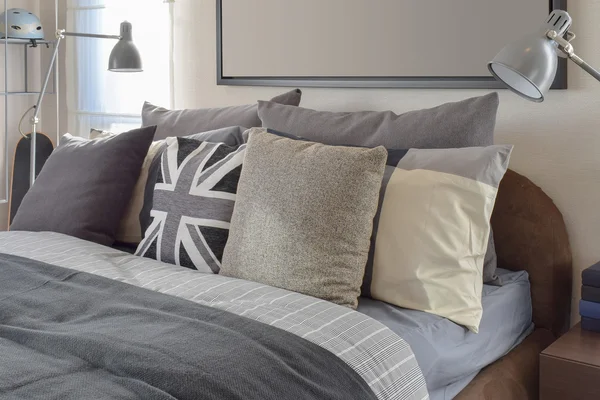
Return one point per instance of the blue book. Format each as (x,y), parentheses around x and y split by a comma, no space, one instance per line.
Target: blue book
(591,276)
(590,324)
(589,309)
(590,293)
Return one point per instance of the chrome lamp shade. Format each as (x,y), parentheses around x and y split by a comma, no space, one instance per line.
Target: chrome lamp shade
(528,66)
(125,56)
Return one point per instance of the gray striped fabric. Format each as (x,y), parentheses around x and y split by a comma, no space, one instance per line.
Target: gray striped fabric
(383,359)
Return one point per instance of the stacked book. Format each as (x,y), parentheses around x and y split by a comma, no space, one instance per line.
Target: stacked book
(589,306)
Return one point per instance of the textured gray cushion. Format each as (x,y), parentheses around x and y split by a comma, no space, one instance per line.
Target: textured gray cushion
(186,122)
(466,123)
(193,201)
(303,216)
(85,186)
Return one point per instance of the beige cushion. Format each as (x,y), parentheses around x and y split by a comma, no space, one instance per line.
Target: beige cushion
(433,230)
(303,216)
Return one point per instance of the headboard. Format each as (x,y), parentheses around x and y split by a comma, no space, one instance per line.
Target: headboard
(530,234)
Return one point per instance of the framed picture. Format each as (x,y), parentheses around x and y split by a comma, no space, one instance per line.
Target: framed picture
(371,43)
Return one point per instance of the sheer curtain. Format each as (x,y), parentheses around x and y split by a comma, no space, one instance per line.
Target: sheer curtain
(97,98)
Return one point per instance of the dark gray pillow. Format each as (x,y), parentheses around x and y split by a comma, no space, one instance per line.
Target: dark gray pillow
(186,122)
(193,204)
(85,186)
(467,123)
(231,136)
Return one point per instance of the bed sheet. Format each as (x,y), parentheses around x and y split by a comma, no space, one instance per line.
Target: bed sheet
(449,355)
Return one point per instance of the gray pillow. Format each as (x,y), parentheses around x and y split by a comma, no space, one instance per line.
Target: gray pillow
(193,203)
(230,136)
(303,216)
(467,123)
(186,122)
(85,186)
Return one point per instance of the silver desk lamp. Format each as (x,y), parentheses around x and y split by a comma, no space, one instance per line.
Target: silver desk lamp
(124,57)
(528,66)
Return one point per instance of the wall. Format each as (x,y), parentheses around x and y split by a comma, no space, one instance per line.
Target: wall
(17,105)
(557,143)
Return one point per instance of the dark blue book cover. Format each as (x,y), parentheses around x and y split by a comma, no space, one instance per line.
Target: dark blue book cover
(590,293)
(589,309)
(590,324)
(591,276)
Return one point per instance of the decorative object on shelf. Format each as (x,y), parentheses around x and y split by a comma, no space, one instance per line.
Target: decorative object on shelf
(124,57)
(19,182)
(528,66)
(18,23)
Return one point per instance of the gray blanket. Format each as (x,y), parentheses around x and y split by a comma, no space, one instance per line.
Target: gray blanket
(72,335)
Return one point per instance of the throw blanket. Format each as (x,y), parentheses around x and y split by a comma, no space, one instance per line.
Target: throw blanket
(382,359)
(67,334)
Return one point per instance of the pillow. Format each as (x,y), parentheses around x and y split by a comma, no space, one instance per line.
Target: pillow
(231,136)
(193,201)
(303,216)
(85,186)
(130,228)
(466,123)
(185,122)
(432,227)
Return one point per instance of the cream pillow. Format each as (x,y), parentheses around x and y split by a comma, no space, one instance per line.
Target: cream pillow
(433,228)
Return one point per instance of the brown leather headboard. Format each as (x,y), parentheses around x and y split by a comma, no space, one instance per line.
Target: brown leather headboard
(530,234)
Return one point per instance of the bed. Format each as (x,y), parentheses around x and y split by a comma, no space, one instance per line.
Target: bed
(530,235)
(372,357)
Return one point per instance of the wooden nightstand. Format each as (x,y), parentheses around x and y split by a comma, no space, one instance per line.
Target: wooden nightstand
(570,367)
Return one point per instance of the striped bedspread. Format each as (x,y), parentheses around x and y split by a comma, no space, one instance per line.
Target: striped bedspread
(383,359)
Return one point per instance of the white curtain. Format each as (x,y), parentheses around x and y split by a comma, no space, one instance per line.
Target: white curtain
(97,98)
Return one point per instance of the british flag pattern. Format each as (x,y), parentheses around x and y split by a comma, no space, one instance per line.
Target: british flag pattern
(193,202)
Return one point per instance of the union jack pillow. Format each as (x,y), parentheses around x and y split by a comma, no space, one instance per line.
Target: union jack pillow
(193,202)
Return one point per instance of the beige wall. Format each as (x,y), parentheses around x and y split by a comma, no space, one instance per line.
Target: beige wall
(17,105)
(557,143)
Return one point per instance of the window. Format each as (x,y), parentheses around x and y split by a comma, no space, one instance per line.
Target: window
(98,98)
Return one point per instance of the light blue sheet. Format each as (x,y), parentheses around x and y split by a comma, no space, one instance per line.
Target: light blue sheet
(450,355)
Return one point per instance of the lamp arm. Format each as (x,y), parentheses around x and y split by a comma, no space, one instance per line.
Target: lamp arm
(585,66)
(566,47)
(91,35)
(34,118)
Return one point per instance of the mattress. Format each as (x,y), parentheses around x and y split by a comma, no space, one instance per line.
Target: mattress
(449,355)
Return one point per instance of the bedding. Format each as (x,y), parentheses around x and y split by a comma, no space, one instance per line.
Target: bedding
(451,356)
(303,216)
(467,123)
(85,186)
(128,342)
(190,121)
(193,202)
(382,359)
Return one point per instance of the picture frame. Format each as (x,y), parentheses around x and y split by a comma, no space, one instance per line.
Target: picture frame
(438,81)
